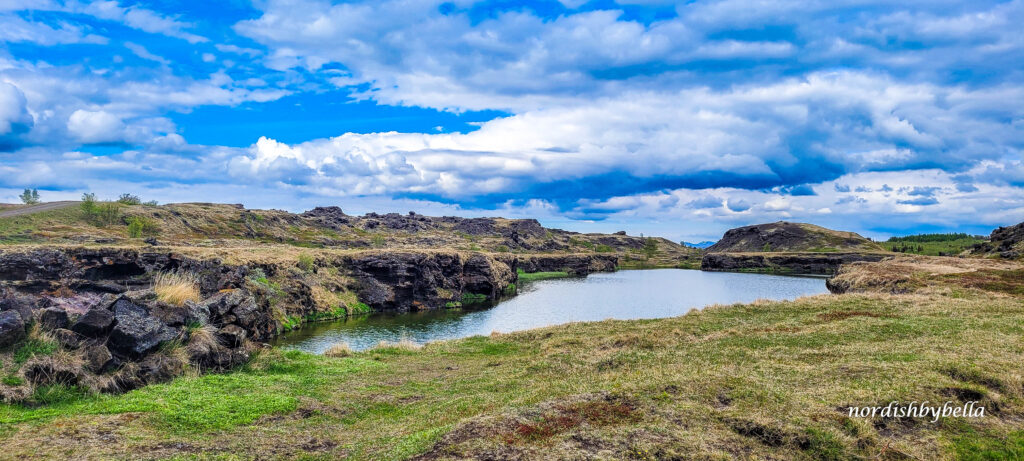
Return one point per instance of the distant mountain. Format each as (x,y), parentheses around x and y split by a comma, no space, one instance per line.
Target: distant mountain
(700,245)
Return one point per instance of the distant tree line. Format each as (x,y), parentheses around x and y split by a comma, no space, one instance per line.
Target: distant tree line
(926,238)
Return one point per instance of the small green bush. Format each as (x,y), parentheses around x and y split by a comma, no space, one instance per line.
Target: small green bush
(502,249)
(306,263)
(129,199)
(100,213)
(378,241)
(139,226)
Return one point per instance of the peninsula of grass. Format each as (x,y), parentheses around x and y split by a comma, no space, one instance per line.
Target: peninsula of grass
(753,381)
(534,276)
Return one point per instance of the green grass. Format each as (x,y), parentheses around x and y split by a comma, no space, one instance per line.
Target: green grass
(951,247)
(473,298)
(760,380)
(32,347)
(534,276)
(27,228)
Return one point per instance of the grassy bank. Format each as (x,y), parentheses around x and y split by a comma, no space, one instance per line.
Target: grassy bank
(751,380)
(534,276)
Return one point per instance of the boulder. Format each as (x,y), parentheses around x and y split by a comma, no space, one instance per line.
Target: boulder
(136,332)
(12,328)
(220,304)
(247,313)
(159,368)
(53,318)
(95,323)
(67,338)
(231,336)
(22,304)
(98,358)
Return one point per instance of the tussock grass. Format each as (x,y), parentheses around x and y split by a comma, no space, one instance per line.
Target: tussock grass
(405,344)
(176,288)
(341,349)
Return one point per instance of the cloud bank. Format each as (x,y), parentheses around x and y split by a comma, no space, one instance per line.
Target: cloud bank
(680,118)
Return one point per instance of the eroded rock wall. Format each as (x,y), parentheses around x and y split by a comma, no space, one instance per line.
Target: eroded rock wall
(797,263)
(100,304)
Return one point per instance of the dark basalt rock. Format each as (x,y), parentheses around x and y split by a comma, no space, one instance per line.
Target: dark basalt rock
(136,332)
(98,359)
(231,336)
(404,281)
(95,323)
(477,226)
(53,318)
(796,263)
(23,305)
(1006,242)
(12,328)
(331,217)
(117,322)
(160,368)
(67,338)
(573,264)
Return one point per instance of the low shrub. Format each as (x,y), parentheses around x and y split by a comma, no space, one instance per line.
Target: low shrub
(129,199)
(306,263)
(139,226)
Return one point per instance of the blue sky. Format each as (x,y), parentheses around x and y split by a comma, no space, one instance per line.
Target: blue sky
(679,119)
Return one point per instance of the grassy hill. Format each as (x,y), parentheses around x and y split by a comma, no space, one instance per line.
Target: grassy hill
(950,244)
(210,225)
(792,237)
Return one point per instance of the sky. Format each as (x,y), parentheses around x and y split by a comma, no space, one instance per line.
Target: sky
(669,118)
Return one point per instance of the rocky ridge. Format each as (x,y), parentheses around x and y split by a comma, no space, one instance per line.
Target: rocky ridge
(785,236)
(100,306)
(1004,242)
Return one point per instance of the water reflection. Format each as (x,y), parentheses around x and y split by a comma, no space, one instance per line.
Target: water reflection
(619,295)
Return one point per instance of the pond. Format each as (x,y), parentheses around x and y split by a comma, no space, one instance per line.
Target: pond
(628,294)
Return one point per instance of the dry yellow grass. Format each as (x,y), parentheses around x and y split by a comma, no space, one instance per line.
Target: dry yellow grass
(404,344)
(341,349)
(176,288)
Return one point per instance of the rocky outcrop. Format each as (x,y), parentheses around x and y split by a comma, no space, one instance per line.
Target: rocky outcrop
(791,237)
(405,281)
(785,263)
(573,264)
(99,305)
(1004,242)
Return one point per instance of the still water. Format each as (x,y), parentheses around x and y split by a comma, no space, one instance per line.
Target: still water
(630,294)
